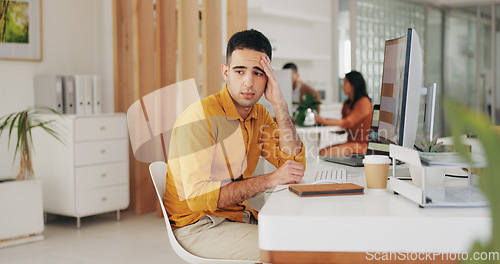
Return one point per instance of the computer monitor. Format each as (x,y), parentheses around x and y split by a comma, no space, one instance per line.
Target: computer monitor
(395,121)
(400,94)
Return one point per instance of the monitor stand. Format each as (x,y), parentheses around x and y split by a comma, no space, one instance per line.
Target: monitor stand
(429,108)
(402,171)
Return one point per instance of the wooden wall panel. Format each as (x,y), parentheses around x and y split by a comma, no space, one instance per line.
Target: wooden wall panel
(166,42)
(212,57)
(123,68)
(236,16)
(166,45)
(134,78)
(123,55)
(145,59)
(188,40)
(144,83)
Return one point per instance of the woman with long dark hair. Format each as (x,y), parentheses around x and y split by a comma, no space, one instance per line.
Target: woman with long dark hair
(356,118)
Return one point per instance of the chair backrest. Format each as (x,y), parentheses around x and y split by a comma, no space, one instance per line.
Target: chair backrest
(158,171)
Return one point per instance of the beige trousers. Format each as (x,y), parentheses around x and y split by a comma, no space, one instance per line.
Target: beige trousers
(219,238)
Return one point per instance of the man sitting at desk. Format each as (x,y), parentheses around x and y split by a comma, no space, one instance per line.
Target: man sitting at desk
(215,146)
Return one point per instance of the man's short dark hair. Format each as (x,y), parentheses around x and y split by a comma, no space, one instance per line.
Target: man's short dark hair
(248,39)
(290,65)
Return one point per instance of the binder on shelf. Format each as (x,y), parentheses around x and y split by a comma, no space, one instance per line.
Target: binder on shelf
(96,95)
(69,94)
(49,91)
(80,84)
(88,94)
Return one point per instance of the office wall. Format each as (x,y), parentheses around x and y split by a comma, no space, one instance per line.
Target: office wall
(77,39)
(299,32)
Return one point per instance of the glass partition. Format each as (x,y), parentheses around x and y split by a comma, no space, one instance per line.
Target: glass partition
(344,45)
(377,21)
(497,65)
(460,55)
(433,61)
(484,86)
(470,61)
(460,48)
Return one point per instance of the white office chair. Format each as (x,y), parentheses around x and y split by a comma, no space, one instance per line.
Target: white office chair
(158,171)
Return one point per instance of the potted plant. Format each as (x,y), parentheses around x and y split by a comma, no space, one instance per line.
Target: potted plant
(21,197)
(428,144)
(464,120)
(307,110)
(428,147)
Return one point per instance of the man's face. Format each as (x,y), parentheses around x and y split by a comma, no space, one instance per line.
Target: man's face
(245,77)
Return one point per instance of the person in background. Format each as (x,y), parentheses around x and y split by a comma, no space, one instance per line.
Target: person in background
(356,118)
(300,88)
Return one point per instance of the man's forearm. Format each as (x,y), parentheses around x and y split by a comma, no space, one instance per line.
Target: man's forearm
(239,191)
(289,140)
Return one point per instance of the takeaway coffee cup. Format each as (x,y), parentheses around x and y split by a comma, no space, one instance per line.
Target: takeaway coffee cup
(376,171)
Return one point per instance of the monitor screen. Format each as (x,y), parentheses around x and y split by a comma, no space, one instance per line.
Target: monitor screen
(375,147)
(400,93)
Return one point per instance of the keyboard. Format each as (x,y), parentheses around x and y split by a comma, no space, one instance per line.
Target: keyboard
(354,160)
(330,176)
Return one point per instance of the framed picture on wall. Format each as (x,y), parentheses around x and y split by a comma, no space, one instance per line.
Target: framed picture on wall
(21,30)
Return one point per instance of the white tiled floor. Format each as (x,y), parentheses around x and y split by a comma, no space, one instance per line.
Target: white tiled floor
(101,239)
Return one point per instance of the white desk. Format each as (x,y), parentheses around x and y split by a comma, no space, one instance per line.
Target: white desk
(373,222)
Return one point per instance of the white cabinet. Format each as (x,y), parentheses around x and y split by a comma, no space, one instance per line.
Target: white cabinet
(88,174)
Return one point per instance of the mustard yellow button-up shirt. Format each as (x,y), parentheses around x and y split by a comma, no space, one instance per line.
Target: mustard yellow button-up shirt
(212,145)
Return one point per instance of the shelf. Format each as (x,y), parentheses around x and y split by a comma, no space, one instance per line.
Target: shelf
(300,56)
(288,14)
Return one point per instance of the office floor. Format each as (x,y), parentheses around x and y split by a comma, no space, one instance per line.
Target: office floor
(101,239)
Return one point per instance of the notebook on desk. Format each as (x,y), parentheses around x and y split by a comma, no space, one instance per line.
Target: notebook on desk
(326,189)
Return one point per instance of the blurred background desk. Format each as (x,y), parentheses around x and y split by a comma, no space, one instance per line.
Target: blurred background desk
(314,138)
(329,229)
(317,137)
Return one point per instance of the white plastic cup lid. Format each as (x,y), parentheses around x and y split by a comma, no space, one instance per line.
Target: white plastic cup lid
(376,159)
